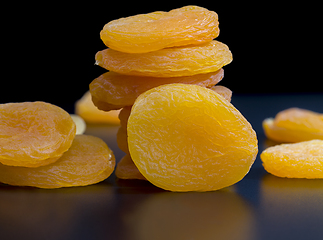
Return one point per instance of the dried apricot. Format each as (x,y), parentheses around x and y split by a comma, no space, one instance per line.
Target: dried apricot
(112,90)
(223,91)
(184,137)
(295,160)
(85,108)
(89,160)
(294,125)
(126,169)
(157,30)
(79,123)
(167,62)
(34,134)
(122,139)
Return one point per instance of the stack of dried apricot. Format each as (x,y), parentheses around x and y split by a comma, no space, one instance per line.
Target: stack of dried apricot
(38,147)
(172,56)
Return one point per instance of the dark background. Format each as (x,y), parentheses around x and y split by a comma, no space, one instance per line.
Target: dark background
(48,48)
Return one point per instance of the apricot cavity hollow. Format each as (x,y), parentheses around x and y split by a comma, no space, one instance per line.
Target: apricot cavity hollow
(185,137)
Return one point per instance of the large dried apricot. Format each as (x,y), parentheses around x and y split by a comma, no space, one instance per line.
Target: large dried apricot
(294,125)
(112,90)
(167,62)
(295,160)
(157,30)
(185,137)
(88,161)
(34,134)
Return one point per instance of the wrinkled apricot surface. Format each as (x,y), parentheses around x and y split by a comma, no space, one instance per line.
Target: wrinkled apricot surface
(168,62)
(88,161)
(85,108)
(294,125)
(185,137)
(157,30)
(112,90)
(295,160)
(34,134)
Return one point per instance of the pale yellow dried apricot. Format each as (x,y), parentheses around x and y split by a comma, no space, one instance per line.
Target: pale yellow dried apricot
(112,90)
(223,91)
(184,137)
(85,108)
(34,134)
(168,62)
(89,160)
(157,30)
(295,160)
(294,125)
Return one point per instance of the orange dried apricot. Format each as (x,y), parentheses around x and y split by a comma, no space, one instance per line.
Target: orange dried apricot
(167,62)
(126,169)
(124,115)
(34,134)
(89,160)
(112,90)
(122,139)
(85,108)
(184,137)
(294,125)
(295,160)
(157,30)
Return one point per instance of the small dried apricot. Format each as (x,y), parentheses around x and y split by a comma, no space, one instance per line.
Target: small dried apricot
(34,134)
(184,137)
(126,169)
(223,91)
(157,30)
(294,125)
(295,160)
(85,108)
(112,90)
(89,160)
(79,123)
(167,62)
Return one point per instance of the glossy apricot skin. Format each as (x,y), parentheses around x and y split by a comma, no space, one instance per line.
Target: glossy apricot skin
(34,134)
(89,160)
(157,30)
(168,62)
(185,137)
(295,160)
(294,125)
(114,91)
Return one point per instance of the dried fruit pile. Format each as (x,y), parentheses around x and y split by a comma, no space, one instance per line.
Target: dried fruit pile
(38,147)
(171,49)
(303,157)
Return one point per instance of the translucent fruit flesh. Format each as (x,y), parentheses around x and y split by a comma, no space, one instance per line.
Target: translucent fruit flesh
(157,30)
(34,134)
(88,161)
(167,62)
(295,160)
(112,90)
(185,137)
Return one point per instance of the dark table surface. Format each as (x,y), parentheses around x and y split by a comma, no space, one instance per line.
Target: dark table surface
(260,206)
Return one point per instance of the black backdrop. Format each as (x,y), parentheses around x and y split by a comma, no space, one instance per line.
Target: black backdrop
(48,50)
